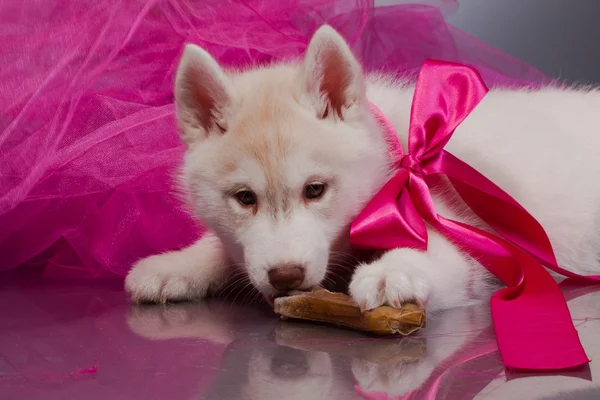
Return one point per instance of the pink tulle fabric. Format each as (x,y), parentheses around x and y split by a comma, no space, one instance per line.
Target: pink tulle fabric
(88,142)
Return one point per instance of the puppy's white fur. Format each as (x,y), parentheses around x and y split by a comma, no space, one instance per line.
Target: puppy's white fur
(273,129)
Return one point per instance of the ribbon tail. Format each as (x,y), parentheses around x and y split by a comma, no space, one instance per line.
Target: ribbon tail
(531,319)
(500,211)
(533,324)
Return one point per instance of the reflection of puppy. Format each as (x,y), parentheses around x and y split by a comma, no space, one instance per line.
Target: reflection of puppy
(267,359)
(259,369)
(253,365)
(394,366)
(214,321)
(283,372)
(446,335)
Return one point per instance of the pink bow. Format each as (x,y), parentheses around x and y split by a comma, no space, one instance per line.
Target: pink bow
(531,319)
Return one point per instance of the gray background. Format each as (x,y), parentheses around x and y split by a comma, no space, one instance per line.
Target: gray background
(559,37)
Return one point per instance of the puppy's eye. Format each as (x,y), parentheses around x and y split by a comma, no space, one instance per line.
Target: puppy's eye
(314,190)
(246,197)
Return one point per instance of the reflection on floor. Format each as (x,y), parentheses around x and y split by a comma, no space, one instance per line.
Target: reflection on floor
(85,341)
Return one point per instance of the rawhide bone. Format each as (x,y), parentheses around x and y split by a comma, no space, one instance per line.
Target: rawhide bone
(339,309)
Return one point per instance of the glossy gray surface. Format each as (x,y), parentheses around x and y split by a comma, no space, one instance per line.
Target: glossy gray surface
(86,341)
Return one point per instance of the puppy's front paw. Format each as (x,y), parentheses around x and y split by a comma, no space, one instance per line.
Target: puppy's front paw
(161,278)
(391,281)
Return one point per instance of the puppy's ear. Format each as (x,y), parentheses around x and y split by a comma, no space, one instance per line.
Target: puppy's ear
(332,76)
(203,92)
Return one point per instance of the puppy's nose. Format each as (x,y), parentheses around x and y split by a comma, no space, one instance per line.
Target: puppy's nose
(286,277)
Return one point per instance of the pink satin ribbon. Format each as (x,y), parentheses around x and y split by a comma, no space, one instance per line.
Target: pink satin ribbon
(532,322)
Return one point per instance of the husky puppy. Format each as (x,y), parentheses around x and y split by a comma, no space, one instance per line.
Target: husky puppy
(281,158)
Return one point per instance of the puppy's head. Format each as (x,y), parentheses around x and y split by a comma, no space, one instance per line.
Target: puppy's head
(280,159)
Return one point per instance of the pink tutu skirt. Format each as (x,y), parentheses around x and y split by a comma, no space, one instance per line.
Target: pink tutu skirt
(88,142)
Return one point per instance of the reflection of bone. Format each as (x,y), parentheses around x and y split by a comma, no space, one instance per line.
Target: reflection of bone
(351,344)
(339,309)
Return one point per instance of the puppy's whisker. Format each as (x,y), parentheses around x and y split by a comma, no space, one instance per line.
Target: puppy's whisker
(240,291)
(341,256)
(233,284)
(250,293)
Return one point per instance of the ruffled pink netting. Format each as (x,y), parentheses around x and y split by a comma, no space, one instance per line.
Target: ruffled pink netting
(88,143)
